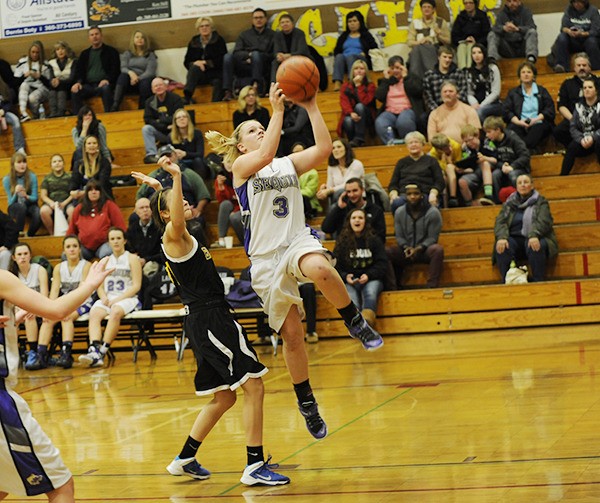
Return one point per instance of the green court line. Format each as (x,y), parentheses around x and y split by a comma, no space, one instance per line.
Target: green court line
(352,421)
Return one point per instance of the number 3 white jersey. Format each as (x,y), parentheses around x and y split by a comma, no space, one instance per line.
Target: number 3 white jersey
(272,207)
(120,279)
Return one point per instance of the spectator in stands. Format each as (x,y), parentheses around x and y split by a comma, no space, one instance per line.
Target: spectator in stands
(35,277)
(229,208)
(476,166)
(571,91)
(509,155)
(483,84)
(470,27)
(354,198)
(529,109)
(295,128)
(21,187)
(138,68)
(96,72)
(249,108)
(62,66)
(309,186)
(451,115)
(434,78)
(579,31)
(8,76)
(448,153)
(117,297)
(524,230)
(251,57)
(88,125)
(204,60)
(288,41)
(417,227)
(142,235)
(92,166)
(354,43)
(425,35)
(342,167)
(362,262)
(66,276)
(514,33)
(418,168)
(158,118)
(357,100)
(400,94)
(56,193)
(34,74)
(585,127)
(194,189)
(9,235)
(188,144)
(7,118)
(92,219)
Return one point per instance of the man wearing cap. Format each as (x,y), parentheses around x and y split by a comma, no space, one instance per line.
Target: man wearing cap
(417,227)
(158,116)
(194,189)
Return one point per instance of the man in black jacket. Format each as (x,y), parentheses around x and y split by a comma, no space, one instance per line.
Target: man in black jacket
(353,198)
(143,237)
(96,73)
(158,116)
(251,57)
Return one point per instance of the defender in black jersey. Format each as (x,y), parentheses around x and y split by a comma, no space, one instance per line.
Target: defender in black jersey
(225,359)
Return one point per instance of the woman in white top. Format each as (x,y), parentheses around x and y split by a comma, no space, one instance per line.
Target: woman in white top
(66,277)
(282,249)
(342,166)
(34,276)
(34,74)
(483,84)
(117,296)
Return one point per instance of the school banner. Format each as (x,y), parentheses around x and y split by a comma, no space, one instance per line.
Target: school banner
(30,17)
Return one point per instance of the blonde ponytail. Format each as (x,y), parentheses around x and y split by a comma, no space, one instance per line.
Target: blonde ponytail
(225,146)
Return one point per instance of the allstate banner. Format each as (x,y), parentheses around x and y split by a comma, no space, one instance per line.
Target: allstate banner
(127,11)
(30,17)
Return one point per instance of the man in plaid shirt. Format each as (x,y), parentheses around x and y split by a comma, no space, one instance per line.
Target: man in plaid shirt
(433,79)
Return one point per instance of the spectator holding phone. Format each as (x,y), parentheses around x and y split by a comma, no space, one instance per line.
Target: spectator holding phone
(361,262)
(579,32)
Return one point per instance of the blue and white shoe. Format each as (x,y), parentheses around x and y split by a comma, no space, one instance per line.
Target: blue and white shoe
(93,357)
(261,473)
(189,467)
(34,361)
(370,339)
(314,422)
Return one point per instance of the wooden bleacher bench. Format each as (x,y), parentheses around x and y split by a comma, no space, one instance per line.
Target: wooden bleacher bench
(144,325)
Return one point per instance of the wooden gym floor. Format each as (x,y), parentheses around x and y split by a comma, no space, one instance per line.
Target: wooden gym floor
(496,416)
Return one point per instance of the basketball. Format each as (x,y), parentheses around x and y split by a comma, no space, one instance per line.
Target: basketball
(298,77)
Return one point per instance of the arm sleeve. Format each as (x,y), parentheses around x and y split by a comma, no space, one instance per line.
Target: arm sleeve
(77,138)
(151,64)
(114,213)
(124,59)
(434,227)
(33,196)
(378,268)
(310,183)
(496,86)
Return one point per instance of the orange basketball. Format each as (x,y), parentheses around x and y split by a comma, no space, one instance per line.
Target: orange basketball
(298,77)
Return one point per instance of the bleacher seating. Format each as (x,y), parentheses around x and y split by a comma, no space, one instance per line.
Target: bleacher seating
(470,297)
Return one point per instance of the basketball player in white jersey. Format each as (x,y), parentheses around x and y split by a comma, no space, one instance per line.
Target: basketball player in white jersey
(282,249)
(117,296)
(35,277)
(30,465)
(66,276)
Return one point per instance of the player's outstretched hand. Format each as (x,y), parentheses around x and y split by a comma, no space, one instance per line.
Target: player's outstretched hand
(148,180)
(276,97)
(98,272)
(169,166)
